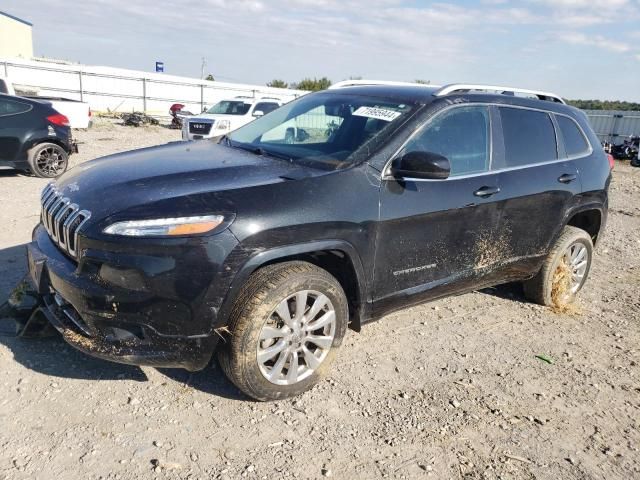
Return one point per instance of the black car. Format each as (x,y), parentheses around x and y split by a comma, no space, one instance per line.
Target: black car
(266,249)
(34,137)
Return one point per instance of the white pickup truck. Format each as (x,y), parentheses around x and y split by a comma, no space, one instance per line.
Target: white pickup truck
(226,116)
(78,113)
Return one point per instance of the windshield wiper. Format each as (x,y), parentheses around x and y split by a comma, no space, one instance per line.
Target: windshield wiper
(260,151)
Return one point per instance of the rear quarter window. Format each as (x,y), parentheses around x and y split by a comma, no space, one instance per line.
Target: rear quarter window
(11,107)
(574,142)
(266,107)
(529,137)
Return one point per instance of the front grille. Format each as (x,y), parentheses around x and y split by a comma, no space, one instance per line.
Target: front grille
(200,128)
(62,219)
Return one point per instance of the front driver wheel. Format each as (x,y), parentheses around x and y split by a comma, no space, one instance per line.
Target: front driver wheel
(285,328)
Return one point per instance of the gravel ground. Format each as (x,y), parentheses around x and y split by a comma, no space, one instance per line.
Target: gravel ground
(452,389)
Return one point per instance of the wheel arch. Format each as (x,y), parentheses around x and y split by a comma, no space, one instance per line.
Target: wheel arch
(588,218)
(39,141)
(338,257)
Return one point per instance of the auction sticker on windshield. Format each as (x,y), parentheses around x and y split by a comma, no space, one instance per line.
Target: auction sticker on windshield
(377,113)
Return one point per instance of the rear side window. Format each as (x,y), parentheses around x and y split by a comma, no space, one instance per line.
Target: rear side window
(266,107)
(462,135)
(11,107)
(529,137)
(574,142)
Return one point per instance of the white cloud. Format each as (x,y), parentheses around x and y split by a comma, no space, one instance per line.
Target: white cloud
(598,41)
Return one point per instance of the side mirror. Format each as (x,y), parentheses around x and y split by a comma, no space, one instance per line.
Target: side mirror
(258,113)
(421,165)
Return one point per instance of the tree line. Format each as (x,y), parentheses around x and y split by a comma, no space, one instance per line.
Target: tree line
(310,84)
(604,105)
(316,84)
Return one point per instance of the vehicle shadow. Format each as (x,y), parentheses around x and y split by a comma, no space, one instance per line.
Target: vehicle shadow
(211,380)
(507,291)
(11,172)
(52,356)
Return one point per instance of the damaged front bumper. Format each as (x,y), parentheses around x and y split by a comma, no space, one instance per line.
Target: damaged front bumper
(122,346)
(74,304)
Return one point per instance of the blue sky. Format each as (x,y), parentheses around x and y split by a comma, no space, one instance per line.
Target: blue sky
(576,48)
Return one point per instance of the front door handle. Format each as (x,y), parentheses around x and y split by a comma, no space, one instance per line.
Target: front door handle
(485,192)
(567,178)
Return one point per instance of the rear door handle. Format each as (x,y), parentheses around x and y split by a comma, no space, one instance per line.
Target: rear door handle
(567,178)
(485,192)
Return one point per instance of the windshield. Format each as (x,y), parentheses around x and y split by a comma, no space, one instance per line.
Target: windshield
(230,107)
(323,127)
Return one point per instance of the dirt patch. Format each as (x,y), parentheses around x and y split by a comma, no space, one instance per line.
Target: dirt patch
(491,248)
(563,301)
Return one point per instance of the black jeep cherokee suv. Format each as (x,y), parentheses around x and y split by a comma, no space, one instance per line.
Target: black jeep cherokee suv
(267,245)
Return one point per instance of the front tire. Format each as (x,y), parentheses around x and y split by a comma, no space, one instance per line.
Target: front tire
(286,325)
(564,271)
(48,160)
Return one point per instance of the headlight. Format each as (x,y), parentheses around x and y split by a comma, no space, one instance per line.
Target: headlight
(165,227)
(223,124)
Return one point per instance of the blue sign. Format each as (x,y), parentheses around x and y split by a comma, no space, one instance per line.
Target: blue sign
(160,67)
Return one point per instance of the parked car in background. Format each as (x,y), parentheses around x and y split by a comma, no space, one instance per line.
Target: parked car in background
(78,113)
(226,116)
(266,248)
(34,137)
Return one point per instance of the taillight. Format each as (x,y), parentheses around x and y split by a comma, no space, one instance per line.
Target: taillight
(90,113)
(59,119)
(612,162)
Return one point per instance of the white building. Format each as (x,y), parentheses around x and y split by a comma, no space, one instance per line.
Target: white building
(16,38)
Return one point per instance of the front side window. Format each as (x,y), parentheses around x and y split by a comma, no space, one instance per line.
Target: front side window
(529,137)
(230,107)
(574,142)
(462,135)
(335,129)
(11,107)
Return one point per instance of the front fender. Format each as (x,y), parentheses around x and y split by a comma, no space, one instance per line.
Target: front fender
(283,253)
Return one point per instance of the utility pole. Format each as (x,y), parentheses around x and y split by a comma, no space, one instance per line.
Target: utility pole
(204,63)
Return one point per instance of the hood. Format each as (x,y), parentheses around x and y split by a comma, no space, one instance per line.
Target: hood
(215,116)
(178,178)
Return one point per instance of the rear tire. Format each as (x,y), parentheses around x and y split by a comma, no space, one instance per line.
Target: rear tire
(276,311)
(564,271)
(48,160)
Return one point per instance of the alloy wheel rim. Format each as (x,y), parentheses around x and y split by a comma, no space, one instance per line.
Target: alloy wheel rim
(576,258)
(50,161)
(296,338)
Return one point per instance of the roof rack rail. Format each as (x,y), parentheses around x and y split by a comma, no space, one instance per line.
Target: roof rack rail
(353,83)
(462,87)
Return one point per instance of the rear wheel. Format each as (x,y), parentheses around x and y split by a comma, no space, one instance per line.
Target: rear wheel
(285,328)
(564,271)
(48,160)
